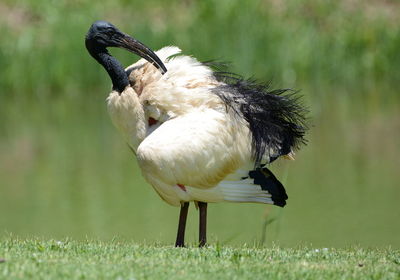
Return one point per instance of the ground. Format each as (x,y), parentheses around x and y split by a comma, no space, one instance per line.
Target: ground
(38,259)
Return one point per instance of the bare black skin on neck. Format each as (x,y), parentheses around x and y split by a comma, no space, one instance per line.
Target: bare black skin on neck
(113,67)
(102,35)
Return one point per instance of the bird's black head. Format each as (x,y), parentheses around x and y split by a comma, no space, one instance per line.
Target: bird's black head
(102,35)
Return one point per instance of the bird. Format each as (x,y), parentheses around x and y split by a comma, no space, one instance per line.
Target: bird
(200,133)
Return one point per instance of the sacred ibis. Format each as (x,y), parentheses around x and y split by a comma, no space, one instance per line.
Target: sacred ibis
(199,133)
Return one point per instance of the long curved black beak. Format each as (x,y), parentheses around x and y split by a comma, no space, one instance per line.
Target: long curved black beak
(102,35)
(130,44)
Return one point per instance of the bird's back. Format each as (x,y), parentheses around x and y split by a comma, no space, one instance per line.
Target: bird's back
(197,132)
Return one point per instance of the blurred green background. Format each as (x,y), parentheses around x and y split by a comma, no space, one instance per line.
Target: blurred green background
(65,171)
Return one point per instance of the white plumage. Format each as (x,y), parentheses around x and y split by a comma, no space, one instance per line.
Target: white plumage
(196,137)
(196,142)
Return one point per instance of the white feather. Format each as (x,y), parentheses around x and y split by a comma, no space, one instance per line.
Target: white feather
(195,143)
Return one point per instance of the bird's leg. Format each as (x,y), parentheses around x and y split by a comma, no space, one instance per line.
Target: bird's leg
(202,223)
(180,237)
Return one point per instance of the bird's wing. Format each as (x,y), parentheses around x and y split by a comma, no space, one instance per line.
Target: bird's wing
(198,149)
(260,185)
(257,186)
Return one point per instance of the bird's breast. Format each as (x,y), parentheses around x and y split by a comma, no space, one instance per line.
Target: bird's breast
(128,116)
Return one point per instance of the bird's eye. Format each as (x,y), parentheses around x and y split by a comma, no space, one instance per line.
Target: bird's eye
(109,32)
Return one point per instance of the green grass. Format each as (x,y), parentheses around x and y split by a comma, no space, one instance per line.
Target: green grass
(66,259)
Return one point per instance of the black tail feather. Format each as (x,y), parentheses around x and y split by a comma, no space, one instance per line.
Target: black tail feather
(276,118)
(269,183)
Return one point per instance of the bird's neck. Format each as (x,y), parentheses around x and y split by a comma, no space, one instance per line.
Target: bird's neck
(113,67)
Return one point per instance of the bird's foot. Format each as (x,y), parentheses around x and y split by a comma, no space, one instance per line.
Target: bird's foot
(180,245)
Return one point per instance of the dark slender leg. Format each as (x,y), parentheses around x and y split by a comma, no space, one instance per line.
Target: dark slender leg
(180,237)
(202,223)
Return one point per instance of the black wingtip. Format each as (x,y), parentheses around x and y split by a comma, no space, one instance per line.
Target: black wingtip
(268,182)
